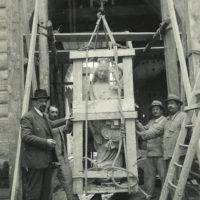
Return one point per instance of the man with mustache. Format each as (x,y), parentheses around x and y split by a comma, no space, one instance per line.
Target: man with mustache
(170,130)
(154,162)
(38,148)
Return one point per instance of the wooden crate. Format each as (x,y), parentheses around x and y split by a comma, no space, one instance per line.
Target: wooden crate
(102,110)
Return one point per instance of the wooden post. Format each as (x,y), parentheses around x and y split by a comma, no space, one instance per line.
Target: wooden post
(77,128)
(170,55)
(130,123)
(193,37)
(26,29)
(16,181)
(43,46)
(15,63)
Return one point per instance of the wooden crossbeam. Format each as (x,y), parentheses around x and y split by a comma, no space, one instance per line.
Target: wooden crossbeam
(119,36)
(103,106)
(100,53)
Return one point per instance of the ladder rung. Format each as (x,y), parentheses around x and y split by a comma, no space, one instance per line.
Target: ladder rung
(189,125)
(192,107)
(178,165)
(183,145)
(195,174)
(171,185)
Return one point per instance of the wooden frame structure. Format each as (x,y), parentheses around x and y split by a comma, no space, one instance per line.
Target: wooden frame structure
(102,110)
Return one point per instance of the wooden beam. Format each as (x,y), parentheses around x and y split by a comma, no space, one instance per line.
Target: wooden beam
(193,37)
(105,116)
(171,62)
(119,36)
(43,46)
(180,51)
(16,179)
(77,129)
(103,106)
(103,174)
(100,53)
(27,31)
(131,139)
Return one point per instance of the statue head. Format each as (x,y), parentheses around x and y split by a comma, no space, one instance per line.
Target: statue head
(101,73)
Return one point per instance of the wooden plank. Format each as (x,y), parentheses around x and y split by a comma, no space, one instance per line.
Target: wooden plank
(180,51)
(192,16)
(102,53)
(16,87)
(3,97)
(119,36)
(93,189)
(77,129)
(43,46)
(27,31)
(102,106)
(130,123)
(103,174)
(104,116)
(173,85)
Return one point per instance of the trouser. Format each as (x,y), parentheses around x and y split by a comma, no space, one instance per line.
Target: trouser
(153,166)
(38,183)
(64,175)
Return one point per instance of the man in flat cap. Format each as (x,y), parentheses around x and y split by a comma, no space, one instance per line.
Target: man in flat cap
(154,163)
(171,127)
(38,148)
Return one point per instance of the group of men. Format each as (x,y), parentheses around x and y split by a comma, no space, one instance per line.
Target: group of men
(161,134)
(44,143)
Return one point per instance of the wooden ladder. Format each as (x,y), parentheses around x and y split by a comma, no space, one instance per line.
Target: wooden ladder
(191,122)
(190,148)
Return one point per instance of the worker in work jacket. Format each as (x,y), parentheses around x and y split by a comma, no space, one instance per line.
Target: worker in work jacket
(38,148)
(63,169)
(171,128)
(154,163)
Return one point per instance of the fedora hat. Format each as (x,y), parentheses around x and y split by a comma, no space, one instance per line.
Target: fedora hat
(156,103)
(174,98)
(40,94)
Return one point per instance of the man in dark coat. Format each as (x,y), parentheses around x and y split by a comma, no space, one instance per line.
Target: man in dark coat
(38,148)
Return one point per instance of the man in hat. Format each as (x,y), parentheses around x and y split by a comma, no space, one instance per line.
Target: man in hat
(38,148)
(154,162)
(63,170)
(171,127)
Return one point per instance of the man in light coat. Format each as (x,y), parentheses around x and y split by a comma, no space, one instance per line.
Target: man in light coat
(154,162)
(171,128)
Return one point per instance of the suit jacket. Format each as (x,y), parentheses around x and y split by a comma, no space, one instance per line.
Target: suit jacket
(35,130)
